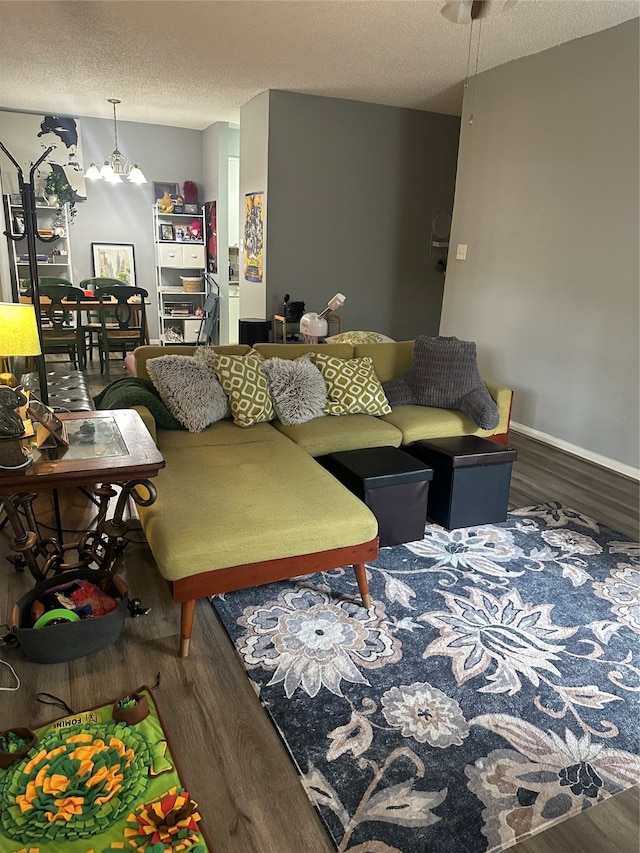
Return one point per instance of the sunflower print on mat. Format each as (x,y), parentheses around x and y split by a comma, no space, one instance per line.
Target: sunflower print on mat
(75,784)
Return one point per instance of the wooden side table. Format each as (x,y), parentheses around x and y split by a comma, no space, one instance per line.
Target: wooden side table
(106,449)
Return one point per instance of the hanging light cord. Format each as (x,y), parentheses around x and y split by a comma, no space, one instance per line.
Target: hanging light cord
(115,123)
(475,72)
(466,76)
(477,49)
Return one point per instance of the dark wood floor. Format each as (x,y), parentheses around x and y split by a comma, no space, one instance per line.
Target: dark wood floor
(233,761)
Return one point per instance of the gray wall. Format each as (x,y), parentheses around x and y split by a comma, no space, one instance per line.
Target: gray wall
(547,201)
(352,191)
(254,154)
(122,213)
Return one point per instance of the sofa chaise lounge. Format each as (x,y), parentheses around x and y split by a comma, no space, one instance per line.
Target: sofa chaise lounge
(238,507)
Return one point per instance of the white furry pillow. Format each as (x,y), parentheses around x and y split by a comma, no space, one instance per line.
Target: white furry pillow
(189,389)
(297,389)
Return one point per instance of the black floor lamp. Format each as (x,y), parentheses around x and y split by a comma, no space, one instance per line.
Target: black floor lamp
(28,196)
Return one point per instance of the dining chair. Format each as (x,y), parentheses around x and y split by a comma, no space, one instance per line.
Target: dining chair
(92,323)
(128,331)
(61,320)
(46,279)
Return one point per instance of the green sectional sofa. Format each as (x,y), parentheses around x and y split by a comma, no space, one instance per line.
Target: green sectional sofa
(238,507)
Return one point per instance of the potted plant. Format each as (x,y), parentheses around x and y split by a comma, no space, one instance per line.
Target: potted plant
(60,192)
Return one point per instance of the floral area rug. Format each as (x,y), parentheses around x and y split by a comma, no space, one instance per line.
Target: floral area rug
(96,781)
(491,691)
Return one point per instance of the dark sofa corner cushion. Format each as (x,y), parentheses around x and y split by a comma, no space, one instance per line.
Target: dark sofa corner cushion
(444,374)
(131,391)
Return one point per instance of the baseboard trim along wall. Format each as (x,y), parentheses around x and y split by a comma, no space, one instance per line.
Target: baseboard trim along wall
(604,461)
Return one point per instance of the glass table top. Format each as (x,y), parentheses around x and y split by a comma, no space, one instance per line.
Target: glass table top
(93,438)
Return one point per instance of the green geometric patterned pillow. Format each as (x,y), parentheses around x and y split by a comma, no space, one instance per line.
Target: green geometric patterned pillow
(246,387)
(352,386)
(359,338)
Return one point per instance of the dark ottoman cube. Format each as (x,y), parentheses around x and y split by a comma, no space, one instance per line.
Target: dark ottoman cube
(391,483)
(471,479)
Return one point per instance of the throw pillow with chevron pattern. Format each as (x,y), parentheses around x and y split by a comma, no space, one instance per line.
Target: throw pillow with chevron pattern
(352,386)
(246,387)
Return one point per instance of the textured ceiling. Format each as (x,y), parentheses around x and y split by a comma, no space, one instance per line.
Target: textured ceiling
(189,64)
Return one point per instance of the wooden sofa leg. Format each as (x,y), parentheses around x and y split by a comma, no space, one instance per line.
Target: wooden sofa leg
(363,584)
(186,625)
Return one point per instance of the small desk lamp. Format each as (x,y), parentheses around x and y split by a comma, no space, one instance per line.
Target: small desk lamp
(18,336)
(314,326)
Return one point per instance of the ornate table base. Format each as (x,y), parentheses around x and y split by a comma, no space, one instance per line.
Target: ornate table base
(100,547)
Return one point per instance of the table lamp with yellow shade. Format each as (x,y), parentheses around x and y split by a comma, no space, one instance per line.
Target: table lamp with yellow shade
(18,336)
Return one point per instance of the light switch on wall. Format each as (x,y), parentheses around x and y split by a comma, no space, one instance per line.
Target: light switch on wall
(461,254)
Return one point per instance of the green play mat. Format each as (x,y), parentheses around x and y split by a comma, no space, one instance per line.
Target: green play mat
(93,784)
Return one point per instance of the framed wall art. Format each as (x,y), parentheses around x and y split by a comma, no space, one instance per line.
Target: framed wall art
(114,260)
(211,226)
(162,187)
(253,236)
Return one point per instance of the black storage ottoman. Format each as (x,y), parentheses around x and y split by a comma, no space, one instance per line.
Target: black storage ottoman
(471,479)
(391,483)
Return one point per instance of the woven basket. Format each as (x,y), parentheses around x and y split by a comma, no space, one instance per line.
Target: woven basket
(191,285)
(58,643)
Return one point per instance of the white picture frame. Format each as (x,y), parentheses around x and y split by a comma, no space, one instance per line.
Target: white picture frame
(114,260)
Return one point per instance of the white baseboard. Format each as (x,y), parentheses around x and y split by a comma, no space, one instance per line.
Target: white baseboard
(603,461)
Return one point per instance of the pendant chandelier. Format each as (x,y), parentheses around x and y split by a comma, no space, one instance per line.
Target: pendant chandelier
(116,166)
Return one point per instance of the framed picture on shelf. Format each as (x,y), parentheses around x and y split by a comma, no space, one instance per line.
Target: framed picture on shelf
(191,208)
(114,260)
(166,232)
(180,233)
(162,187)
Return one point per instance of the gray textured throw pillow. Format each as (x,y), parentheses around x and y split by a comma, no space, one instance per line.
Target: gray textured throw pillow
(297,389)
(189,389)
(444,373)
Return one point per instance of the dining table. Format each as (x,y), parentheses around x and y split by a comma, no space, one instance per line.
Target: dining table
(91,303)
